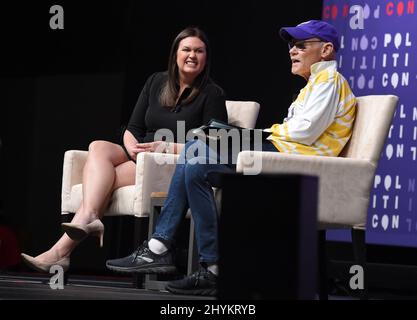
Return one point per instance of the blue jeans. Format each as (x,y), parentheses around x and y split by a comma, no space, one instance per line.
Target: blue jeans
(189,189)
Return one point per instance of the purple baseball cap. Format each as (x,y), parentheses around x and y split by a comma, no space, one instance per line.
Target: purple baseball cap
(311,29)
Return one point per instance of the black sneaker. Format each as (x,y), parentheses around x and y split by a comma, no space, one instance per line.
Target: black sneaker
(201,282)
(143,260)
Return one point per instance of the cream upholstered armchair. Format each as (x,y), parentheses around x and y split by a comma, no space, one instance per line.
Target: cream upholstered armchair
(345,181)
(151,176)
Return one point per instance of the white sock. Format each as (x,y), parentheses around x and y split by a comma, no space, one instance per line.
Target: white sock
(157,246)
(214,269)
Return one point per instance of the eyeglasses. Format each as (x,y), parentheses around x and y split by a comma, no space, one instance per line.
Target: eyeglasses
(301,45)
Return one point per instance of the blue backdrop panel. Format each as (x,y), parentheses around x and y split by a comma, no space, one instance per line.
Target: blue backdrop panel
(379,56)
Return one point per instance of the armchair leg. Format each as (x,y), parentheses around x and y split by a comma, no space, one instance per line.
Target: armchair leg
(138,230)
(322,265)
(157,201)
(359,252)
(192,261)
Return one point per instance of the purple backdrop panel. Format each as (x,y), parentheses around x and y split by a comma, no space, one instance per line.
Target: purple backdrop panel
(378,55)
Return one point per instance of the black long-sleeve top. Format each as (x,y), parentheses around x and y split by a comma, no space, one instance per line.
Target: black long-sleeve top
(149,115)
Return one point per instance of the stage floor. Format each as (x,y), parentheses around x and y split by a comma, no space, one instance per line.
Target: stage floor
(36,287)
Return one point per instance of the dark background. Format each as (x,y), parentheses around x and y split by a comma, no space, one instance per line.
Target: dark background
(62,89)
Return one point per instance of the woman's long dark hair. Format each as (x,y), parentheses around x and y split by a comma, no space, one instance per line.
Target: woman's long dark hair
(169,93)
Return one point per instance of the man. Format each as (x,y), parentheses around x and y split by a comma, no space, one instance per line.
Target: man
(319,122)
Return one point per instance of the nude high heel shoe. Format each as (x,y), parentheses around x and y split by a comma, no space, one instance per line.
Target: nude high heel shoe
(44,267)
(79,232)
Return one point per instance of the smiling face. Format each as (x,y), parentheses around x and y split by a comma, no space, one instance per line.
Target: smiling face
(191,58)
(305,53)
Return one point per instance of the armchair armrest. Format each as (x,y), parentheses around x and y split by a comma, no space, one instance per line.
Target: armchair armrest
(74,161)
(344,183)
(153,174)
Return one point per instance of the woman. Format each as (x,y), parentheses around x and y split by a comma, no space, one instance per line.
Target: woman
(183,93)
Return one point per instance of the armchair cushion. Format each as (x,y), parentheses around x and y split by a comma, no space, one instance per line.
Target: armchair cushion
(74,161)
(344,183)
(129,200)
(242,113)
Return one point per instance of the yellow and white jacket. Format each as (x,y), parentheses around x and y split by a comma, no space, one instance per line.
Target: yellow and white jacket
(320,120)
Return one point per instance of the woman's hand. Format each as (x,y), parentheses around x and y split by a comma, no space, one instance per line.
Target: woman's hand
(156,146)
(130,144)
(133,150)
